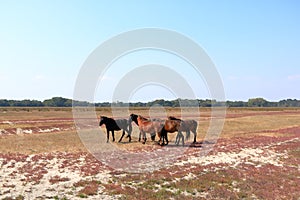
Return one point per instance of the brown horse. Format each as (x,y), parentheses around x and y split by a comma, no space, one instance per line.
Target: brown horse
(187,126)
(174,124)
(171,126)
(116,125)
(147,126)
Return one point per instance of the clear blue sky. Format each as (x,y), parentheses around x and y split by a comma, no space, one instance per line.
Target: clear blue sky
(255,45)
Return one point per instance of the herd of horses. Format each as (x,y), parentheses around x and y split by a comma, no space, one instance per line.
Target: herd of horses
(154,127)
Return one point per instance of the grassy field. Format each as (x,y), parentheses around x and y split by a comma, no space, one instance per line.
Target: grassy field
(257,156)
(240,122)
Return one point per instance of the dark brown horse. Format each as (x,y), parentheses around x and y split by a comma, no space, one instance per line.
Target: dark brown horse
(147,126)
(171,126)
(187,126)
(116,125)
(174,124)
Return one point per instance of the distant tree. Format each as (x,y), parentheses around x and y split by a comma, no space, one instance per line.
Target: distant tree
(84,104)
(236,104)
(289,103)
(159,102)
(257,102)
(103,104)
(4,102)
(205,103)
(64,102)
(58,102)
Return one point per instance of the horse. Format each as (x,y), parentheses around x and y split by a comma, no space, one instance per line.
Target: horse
(147,126)
(171,126)
(188,126)
(116,125)
(174,124)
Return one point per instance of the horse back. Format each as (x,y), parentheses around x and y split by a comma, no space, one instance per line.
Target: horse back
(192,124)
(172,125)
(122,123)
(150,125)
(112,125)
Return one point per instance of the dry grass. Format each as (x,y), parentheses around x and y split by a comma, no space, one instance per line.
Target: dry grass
(41,143)
(243,122)
(20,113)
(259,125)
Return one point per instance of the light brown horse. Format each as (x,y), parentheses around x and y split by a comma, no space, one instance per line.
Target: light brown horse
(147,126)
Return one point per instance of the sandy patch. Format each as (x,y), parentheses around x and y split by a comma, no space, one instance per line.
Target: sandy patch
(49,175)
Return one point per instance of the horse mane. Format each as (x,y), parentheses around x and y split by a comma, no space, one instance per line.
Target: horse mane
(143,118)
(174,118)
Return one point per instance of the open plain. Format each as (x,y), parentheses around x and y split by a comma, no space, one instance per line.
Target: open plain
(257,156)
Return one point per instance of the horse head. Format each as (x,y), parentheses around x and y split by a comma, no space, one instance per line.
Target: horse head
(102,120)
(133,117)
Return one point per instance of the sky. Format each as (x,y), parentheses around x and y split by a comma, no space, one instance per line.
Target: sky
(254,45)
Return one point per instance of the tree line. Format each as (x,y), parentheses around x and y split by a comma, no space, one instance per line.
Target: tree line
(64,102)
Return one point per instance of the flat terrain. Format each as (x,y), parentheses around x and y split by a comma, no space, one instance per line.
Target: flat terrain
(257,156)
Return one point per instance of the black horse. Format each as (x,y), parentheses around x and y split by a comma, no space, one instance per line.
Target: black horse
(116,125)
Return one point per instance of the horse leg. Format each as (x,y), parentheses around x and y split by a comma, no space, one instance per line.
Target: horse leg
(128,134)
(153,136)
(195,135)
(182,136)
(144,138)
(165,137)
(179,136)
(162,137)
(107,136)
(122,136)
(167,141)
(177,140)
(140,136)
(113,135)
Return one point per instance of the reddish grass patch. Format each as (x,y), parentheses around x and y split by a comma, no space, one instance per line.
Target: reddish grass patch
(57,179)
(89,187)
